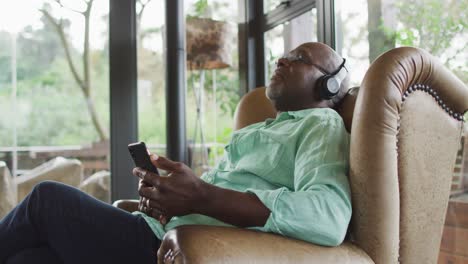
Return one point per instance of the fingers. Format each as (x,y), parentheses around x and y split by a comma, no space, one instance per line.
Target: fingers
(151,179)
(140,204)
(160,216)
(164,219)
(150,193)
(165,163)
(154,204)
(146,206)
(143,208)
(141,184)
(153,209)
(157,214)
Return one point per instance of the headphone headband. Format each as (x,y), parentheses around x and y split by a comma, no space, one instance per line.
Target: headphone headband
(339,73)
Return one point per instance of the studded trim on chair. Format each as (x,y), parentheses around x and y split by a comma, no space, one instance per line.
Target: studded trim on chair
(433,93)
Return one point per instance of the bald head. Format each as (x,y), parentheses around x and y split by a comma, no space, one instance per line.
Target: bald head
(322,56)
(294,84)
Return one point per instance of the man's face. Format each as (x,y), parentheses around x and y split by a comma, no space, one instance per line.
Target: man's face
(292,86)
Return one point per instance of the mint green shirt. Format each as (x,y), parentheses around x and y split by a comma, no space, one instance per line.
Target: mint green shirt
(297,166)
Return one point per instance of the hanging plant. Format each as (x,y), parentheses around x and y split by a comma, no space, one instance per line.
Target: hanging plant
(201,7)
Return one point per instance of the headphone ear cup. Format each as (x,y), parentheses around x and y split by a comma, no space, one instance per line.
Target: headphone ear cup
(329,87)
(322,82)
(330,84)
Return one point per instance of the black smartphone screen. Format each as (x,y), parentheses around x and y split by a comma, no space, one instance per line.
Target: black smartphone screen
(140,157)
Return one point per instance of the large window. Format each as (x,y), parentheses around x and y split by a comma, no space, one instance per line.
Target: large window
(54,92)
(369,28)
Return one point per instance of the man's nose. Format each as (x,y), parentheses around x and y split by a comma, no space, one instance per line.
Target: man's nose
(282,62)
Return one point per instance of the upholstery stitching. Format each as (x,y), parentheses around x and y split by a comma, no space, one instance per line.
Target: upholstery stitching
(433,93)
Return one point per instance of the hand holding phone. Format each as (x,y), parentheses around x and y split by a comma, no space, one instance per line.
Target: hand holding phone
(141,157)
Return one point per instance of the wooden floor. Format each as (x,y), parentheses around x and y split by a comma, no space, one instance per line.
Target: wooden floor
(454,245)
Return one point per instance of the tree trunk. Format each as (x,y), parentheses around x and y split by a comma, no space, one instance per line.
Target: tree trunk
(87,77)
(381,25)
(83,82)
(94,118)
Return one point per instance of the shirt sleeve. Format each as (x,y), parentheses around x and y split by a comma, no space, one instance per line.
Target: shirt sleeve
(318,209)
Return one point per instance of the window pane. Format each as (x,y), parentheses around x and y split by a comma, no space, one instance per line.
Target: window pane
(212,79)
(436,26)
(56,102)
(352,31)
(283,38)
(151,78)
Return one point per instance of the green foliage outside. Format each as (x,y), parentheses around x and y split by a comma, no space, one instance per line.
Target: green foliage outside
(440,27)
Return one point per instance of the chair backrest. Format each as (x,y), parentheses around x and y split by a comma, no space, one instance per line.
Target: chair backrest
(406,132)
(253,107)
(406,127)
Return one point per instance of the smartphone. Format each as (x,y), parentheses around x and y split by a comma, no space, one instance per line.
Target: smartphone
(141,158)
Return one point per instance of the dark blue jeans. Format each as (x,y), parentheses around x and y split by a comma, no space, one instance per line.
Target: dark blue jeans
(57,223)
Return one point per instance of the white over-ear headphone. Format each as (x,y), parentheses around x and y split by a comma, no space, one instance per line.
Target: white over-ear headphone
(330,83)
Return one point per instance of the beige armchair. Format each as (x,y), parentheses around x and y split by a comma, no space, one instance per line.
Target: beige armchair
(405,133)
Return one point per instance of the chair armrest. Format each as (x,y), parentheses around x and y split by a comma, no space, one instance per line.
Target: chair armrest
(210,244)
(127,205)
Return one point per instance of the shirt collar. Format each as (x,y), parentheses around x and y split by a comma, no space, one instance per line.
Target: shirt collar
(290,115)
